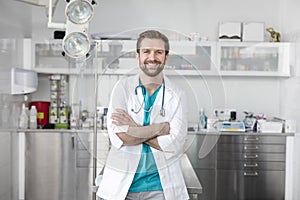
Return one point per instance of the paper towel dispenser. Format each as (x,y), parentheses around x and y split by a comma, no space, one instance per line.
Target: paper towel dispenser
(18,81)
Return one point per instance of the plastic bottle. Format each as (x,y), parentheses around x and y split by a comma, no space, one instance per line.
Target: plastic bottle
(5,116)
(73,119)
(33,117)
(202,120)
(23,122)
(104,121)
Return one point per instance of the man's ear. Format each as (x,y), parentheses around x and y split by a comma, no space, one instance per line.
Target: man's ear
(167,57)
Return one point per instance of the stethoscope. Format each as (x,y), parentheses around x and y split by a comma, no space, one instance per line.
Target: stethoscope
(162,111)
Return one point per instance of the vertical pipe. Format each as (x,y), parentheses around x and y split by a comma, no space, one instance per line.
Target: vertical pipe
(95,123)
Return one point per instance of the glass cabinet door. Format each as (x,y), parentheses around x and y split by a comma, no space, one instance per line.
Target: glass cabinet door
(185,57)
(265,59)
(48,54)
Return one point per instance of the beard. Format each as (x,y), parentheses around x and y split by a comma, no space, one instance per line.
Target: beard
(152,68)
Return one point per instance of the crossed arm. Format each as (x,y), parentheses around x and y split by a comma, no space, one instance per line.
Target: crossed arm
(139,134)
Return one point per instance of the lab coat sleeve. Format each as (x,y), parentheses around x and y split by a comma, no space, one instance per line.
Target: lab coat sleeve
(118,99)
(174,142)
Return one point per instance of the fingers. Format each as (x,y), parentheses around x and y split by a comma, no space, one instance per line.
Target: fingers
(166,128)
(121,117)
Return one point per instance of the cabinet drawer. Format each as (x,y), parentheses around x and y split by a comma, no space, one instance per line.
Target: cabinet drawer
(251,148)
(272,157)
(241,185)
(230,139)
(250,165)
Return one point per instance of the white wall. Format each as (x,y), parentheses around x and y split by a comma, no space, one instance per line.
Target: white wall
(15,19)
(176,15)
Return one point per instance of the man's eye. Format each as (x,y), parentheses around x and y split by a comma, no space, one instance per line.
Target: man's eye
(160,52)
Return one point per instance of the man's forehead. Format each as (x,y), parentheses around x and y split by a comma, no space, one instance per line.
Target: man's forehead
(153,48)
(148,43)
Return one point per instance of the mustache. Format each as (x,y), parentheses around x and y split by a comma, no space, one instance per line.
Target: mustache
(153,62)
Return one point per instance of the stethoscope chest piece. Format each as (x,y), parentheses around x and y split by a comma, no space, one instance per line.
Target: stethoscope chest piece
(162,112)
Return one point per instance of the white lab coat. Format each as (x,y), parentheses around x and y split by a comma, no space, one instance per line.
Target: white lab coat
(122,161)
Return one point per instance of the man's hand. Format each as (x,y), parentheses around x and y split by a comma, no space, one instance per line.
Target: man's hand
(165,129)
(138,134)
(121,118)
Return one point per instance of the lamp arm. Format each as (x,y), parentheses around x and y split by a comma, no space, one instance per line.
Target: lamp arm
(50,23)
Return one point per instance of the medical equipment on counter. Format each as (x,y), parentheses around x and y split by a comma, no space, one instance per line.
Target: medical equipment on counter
(162,111)
(232,126)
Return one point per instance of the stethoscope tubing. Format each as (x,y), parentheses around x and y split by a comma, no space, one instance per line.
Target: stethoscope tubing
(162,111)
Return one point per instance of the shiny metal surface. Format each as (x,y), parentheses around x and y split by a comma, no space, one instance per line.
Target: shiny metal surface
(191,180)
(9,165)
(54,168)
(241,167)
(251,167)
(205,168)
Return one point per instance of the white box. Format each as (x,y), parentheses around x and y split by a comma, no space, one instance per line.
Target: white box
(253,32)
(230,31)
(270,127)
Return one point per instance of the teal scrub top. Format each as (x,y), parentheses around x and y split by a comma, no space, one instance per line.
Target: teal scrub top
(146,177)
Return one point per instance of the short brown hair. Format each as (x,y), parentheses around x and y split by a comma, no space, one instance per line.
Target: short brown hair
(152,34)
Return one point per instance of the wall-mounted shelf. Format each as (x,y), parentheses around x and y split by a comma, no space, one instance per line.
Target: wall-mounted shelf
(187,58)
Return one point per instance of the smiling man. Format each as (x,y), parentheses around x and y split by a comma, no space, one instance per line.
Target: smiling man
(147,126)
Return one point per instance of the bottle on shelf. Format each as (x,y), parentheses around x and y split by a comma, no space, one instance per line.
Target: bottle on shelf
(73,119)
(202,120)
(104,121)
(23,122)
(33,117)
(5,116)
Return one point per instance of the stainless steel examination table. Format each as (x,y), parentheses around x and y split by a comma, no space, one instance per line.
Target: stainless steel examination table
(191,180)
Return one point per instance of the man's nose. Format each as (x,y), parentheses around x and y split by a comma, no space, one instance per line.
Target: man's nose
(151,55)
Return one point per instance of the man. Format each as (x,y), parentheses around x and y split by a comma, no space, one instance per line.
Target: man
(147,126)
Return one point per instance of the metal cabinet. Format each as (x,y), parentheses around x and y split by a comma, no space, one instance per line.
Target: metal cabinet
(57,165)
(205,167)
(251,167)
(240,167)
(9,181)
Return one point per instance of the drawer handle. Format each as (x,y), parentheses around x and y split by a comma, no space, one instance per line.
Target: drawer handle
(251,147)
(250,173)
(251,139)
(250,165)
(251,156)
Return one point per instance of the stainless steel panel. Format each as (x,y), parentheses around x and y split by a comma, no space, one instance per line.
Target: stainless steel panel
(50,166)
(251,165)
(205,168)
(207,178)
(279,148)
(208,162)
(267,185)
(226,156)
(252,139)
(251,185)
(9,182)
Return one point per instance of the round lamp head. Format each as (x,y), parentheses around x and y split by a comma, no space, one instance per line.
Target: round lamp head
(76,44)
(79,11)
